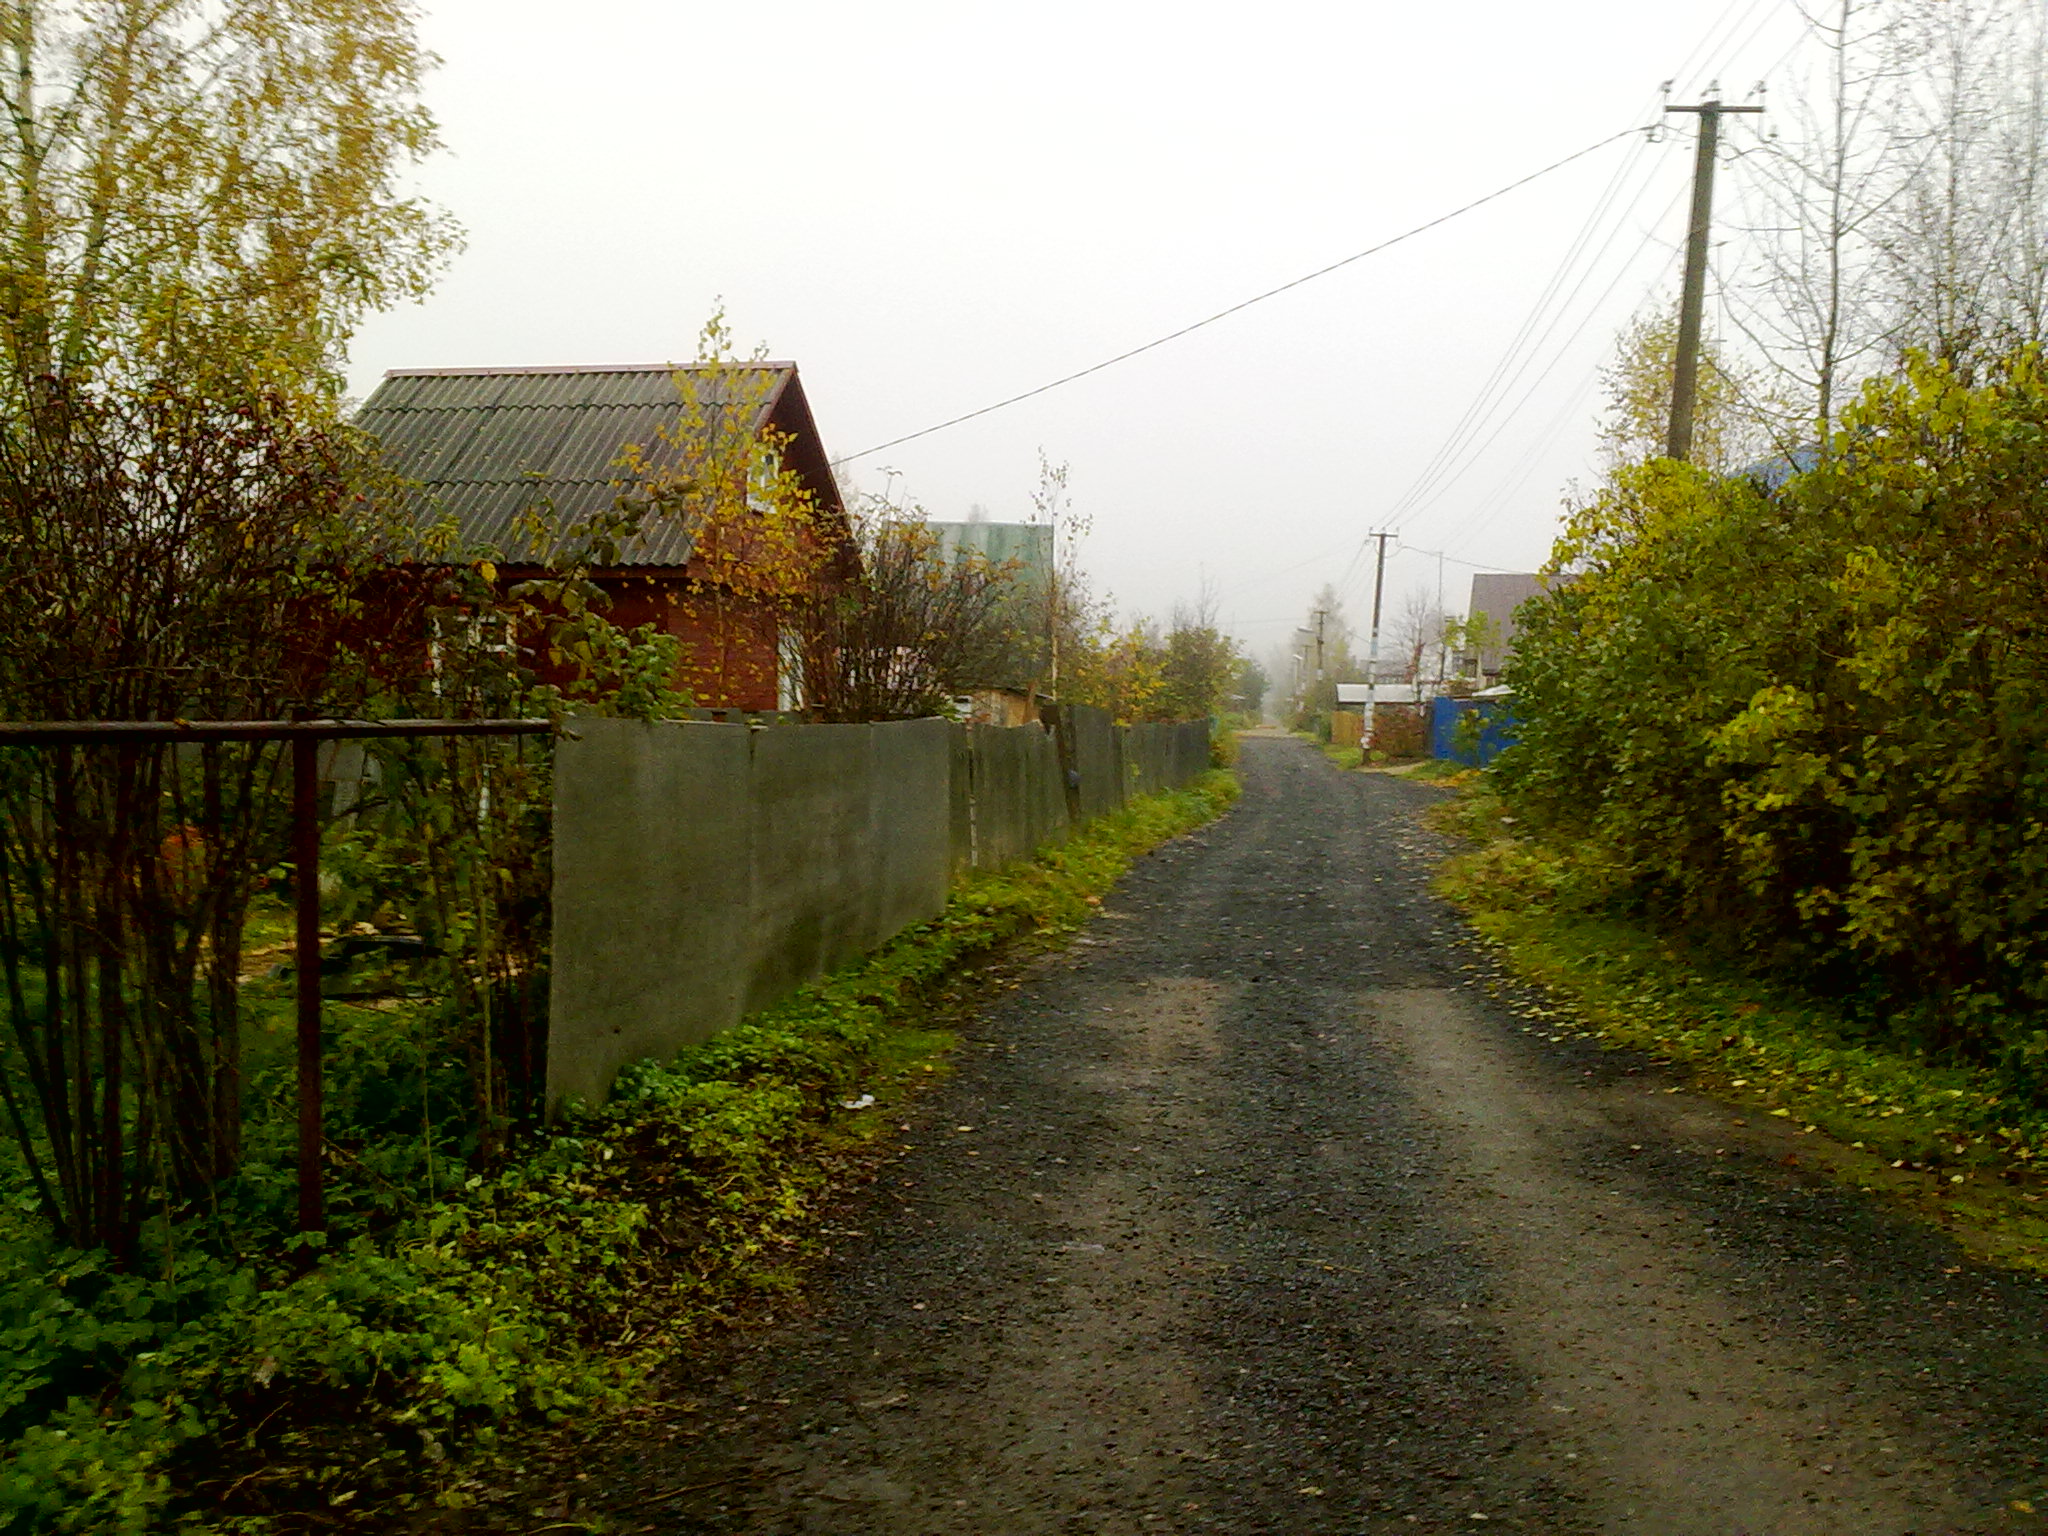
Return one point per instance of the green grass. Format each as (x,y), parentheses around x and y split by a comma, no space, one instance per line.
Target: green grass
(242,1393)
(1442,770)
(1954,1143)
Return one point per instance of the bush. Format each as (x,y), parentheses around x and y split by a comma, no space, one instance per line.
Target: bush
(1400,731)
(1811,726)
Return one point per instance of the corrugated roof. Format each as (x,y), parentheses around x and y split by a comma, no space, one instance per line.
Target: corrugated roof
(487,445)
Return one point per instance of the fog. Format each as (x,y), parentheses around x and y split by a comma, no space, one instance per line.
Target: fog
(934,207)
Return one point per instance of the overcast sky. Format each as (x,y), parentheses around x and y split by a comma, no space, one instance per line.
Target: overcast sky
(931,207)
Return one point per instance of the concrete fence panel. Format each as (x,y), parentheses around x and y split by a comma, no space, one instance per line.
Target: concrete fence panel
(1045,790)
(1162,756)
(1017,803)
(960,796)
(815,854)
(1098,758)
(911,783)
(653,886)
(705,869)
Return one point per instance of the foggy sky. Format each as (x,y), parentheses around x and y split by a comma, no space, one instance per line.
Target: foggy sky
(930,207)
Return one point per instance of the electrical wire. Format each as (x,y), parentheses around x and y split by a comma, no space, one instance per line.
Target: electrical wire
(1512,362)
(1243,304)
(1720,39)
(1496,502)
(1438,554)
(1510,356)
(1440,475)
(1602,204)
(1463,449)
(1649,238)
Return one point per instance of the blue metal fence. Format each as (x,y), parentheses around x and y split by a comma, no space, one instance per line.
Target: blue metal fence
(1471,731)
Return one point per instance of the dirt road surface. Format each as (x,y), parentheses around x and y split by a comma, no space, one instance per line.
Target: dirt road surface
(1252,1212)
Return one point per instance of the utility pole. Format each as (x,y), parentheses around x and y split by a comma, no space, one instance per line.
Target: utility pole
(1686,367)
(1372,650)
(1321,614)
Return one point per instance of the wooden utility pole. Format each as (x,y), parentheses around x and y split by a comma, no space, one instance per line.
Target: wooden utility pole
(1685,371)
(1372,649)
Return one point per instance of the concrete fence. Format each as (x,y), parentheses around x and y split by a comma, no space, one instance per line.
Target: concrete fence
(706,869)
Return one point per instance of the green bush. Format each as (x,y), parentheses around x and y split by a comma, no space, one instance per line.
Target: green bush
(1811,726)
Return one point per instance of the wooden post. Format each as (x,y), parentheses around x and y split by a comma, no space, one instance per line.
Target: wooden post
(1692,299)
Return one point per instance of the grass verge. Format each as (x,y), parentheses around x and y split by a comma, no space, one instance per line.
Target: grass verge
(1955,1144)
(380,1379)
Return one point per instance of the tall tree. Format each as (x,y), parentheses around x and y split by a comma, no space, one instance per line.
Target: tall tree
(1417,633)
(189,188)
(1902,201)
(2022,168)
(1726,409)
(198,199)
(1961,243)
(1202,665)
(1812,306)
(1940,237)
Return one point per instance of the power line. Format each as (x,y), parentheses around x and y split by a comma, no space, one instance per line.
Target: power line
(1464,447)
(1497,501)
(1438,554)
(1514,361)
(1444,483)
(1259,298)
(1524,348)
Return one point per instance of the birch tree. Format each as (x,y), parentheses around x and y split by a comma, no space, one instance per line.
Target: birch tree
(195,187)
(1809,303)
(1942,239)
(1901,203)
(1963,243)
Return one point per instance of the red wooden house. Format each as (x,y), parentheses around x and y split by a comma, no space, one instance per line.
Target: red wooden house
(485,447)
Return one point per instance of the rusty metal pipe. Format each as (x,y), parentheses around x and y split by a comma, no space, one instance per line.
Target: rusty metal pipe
(53,733)
(306,860)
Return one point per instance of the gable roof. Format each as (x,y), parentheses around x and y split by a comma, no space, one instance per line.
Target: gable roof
(484,445)
(1500,596)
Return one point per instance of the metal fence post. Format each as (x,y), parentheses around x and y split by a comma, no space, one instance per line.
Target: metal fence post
(306,859)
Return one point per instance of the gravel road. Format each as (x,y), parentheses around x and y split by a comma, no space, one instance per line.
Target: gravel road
(1253,1211)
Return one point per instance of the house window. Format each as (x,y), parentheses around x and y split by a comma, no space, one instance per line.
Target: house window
(473,657)
(789,670)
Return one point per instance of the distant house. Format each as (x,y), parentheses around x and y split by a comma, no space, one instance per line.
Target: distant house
(1772,474)
(486,446)
(1026,549)
(1500,597)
